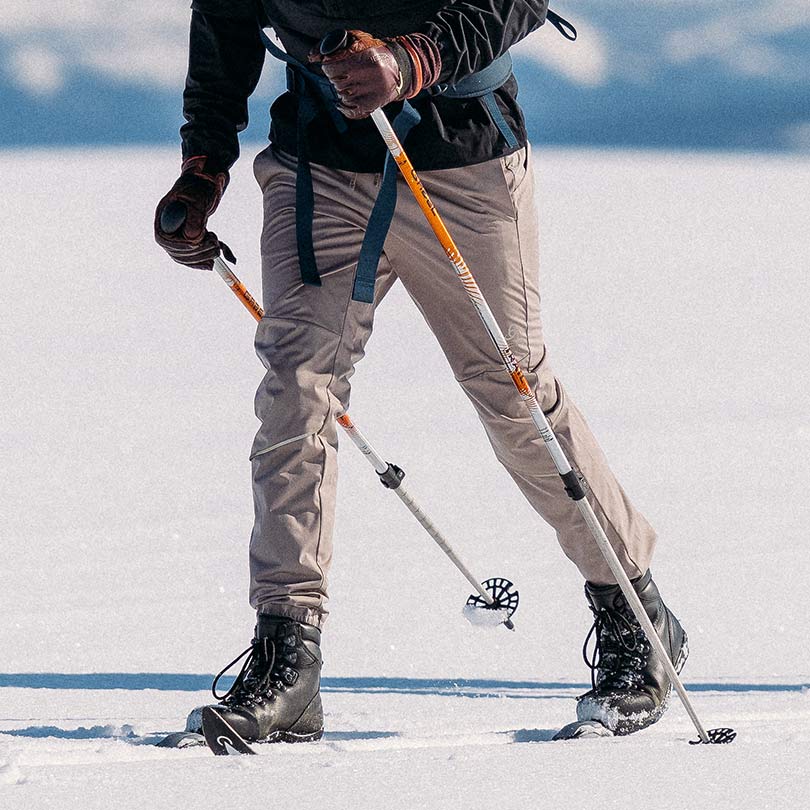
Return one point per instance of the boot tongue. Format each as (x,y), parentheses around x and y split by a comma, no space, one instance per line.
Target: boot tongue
(276,628)
(282,628)
(285,630)
(611,596)
(604,597)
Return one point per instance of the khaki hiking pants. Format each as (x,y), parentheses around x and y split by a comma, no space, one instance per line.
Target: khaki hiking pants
(311,338)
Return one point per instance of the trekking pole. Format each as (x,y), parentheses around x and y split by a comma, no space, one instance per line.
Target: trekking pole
(571,481)
(496,595)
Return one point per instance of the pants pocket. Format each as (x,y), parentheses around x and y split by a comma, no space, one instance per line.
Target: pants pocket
(516,168)
(269,165)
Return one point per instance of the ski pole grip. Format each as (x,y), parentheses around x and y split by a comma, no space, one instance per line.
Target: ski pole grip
(333,42)
(173,217)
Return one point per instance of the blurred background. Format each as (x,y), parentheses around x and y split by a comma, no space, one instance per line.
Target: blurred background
(691,74)
(672,146)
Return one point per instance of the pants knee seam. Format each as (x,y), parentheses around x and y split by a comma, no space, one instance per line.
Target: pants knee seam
(280,444)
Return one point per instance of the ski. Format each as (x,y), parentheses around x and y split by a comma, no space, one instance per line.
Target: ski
(578,730)
(220,736)
(582,730)
(223,740)
(181,739)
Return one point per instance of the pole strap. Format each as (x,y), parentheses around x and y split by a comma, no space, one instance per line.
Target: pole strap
(565,27)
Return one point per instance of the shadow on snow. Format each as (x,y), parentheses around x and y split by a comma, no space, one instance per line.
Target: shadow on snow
(463,687)
(126,733)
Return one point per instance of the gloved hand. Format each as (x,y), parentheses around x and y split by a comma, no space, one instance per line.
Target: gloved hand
(200,190)
(368,72)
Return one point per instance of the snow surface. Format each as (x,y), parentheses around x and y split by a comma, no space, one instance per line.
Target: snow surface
(675,291)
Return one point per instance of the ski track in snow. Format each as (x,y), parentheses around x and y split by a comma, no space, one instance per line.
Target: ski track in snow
(675,292)
(413,750)
(420,751)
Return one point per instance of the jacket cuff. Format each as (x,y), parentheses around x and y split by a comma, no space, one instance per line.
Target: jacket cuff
(406,67)
(209,165)
(423,60)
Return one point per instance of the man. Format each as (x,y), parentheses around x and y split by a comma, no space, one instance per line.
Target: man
(332,246)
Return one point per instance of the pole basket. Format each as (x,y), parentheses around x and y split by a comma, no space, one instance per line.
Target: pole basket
(505,598)
(717,736)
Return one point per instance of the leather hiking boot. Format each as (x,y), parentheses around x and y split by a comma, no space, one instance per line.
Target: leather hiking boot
(276,695)
(630,685)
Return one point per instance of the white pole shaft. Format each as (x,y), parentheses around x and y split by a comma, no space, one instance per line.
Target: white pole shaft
(427,524)
(225,272)
(535,411)
(638,610)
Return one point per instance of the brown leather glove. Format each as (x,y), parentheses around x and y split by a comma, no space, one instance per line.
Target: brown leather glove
(368,72)
(200,191)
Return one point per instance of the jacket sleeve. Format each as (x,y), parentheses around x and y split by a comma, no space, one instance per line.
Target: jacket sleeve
(225,62)
(472,33)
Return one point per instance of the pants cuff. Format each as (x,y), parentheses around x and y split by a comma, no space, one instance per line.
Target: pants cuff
(316,618)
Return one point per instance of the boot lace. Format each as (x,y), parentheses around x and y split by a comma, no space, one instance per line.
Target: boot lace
(264,672)
(620,649)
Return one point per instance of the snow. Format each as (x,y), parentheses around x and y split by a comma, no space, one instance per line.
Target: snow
(484,617)
(675,290)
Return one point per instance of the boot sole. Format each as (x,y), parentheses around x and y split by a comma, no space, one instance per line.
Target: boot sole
(299,731)
(291,737)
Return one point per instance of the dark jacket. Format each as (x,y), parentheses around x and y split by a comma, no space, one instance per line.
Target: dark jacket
(226,57)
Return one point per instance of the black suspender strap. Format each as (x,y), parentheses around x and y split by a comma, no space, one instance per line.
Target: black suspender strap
(312,92)
(383,212)
(308,88)
(483,85)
